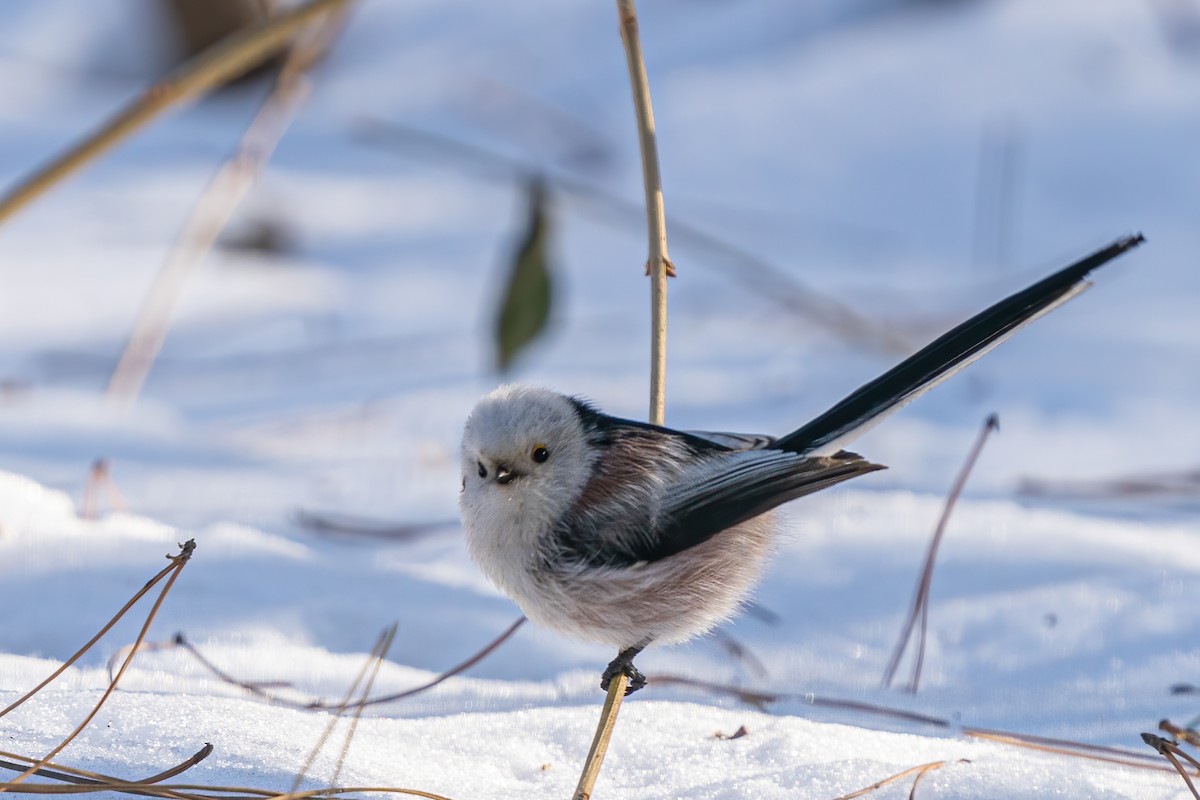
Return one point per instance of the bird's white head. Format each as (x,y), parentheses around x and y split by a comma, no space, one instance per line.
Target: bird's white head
(525,460)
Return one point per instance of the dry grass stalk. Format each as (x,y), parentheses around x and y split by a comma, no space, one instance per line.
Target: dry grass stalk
(258,688)
(201,74)
(216,206)
(372,663)
(740,653)
(178,641)
(79,776)
(177,564)
(912,792)
(99,478)
(201,791)
(1170,751)
(81,781)
(1062,747)
(608,721)
(1188,734)
(920,606)
(658,267)
(658,263)
(920,770)
(760,699)
(361,704)
(150,584)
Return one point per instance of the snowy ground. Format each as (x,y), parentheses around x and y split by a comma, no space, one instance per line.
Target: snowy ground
(841,142)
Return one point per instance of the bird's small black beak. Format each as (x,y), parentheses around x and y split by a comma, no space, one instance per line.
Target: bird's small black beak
(504,474)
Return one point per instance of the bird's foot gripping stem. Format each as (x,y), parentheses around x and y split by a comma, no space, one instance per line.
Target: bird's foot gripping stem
(623,665)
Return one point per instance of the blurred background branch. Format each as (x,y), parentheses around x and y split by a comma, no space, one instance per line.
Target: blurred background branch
(218,203)
(213,67)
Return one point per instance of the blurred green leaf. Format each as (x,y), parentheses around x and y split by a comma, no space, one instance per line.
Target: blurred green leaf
(526,304)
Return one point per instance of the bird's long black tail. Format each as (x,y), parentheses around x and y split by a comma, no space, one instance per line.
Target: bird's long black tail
(951,352)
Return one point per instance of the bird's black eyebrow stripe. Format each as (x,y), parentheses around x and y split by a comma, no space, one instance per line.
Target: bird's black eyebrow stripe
(595,423)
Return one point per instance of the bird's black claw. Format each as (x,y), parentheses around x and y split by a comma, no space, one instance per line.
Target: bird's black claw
(623,666)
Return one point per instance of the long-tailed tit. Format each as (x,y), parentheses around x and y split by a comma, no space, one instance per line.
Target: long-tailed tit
(625,533)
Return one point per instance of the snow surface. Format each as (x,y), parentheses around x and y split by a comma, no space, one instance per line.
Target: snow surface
(841,142)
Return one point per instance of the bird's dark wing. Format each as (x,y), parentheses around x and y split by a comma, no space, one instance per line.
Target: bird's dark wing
(873,401)
(735,488)
(655,492)
(613,522)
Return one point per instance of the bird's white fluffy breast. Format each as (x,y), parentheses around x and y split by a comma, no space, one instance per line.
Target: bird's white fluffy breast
(667,601)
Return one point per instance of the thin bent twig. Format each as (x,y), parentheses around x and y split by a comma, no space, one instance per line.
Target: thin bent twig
(361,703)
(177,564)
(920,605)
(372,663)
(74,775)
(256,688)
(88,645)
(1170,751)
(920,769)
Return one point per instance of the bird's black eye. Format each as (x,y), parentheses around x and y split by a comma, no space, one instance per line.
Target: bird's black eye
(482,469)
(540,453)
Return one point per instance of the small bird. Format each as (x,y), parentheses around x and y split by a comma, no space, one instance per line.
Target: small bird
(625,533)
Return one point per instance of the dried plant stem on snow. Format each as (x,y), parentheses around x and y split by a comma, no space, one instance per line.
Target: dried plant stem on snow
(384,646)
(216,65)
(1170,751)
(1064,747)
(177,564)
(1188,734)
(920,606)
(200,791)
(216,207)
(150,584)
(658,267)
(99,478)
(760,698)
(257,688)
(373,662)
(912,792)
(920,770)
(83,777)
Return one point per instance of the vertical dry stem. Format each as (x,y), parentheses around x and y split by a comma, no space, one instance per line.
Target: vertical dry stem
(658,264)
(608,721)
(658,267)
